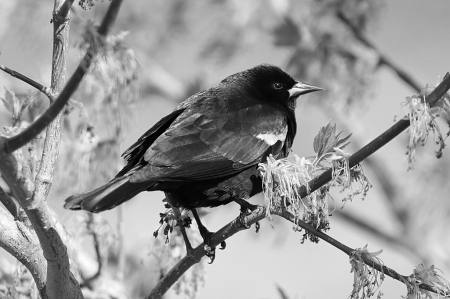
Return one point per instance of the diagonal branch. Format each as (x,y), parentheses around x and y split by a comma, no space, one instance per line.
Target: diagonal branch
(42,122)
(380,141)
(398,240)
(235,226)
(27,80)
(23,244)
(382,59)
(367,259)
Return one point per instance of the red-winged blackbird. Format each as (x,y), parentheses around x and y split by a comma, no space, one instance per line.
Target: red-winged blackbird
(206,152)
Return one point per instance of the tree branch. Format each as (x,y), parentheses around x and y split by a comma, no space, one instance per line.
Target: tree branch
(382,59)
(367,259)
(8,203)
(196,255)
(64,10)
(15,142)
(27,80)
(23,244)
(378,142)
(376,232)
(60,283)
(235,226)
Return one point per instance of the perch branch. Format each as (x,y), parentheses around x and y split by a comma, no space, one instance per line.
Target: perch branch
(235,226)
(378,142)
(367,259)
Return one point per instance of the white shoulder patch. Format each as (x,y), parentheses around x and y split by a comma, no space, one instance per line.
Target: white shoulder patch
(271,138)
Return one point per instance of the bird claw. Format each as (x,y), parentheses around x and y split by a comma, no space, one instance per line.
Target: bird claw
(257,226)
(243,221)
(223,245)
(210,252)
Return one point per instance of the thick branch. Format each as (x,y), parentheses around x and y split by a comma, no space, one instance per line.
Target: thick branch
(21,243)
(60,281)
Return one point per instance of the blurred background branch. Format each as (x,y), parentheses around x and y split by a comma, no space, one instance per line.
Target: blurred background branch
(183,47)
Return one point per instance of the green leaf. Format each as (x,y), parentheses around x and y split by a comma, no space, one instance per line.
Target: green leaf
(28,100)
(327,140)
(324,140)
(8,101)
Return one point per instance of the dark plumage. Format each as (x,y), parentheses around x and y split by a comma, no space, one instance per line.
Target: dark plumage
(206,152)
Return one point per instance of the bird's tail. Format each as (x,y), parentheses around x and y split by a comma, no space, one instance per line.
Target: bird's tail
(107,196)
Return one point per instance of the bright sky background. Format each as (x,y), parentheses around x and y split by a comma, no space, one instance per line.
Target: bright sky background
(415,34)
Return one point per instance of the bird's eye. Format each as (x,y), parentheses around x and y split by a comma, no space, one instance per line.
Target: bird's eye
(277,85)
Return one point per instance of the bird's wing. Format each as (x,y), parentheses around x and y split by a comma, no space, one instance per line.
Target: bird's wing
(212,140)
(137,150)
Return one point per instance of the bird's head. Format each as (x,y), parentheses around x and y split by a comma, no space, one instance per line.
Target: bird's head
(279,86)
(273,84)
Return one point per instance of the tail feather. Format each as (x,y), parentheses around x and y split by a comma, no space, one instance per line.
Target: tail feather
(107,196)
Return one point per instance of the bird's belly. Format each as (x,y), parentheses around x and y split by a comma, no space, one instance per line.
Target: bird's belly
(216,192)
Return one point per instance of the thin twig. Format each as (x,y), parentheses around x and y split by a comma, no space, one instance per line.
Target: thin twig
(27,80)
(101,259)
(398,240)
(42,122)
(121,242)
(367,259)
(382,59)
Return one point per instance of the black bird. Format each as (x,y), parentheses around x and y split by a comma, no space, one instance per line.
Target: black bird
(206,152)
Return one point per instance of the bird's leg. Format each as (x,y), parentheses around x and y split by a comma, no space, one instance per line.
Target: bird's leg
(246,208)
(206,235)
(177,213)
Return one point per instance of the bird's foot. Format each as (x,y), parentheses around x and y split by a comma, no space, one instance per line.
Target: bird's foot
(206,235)
(210,250)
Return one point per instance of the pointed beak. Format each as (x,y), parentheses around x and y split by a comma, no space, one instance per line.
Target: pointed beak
(302,88)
